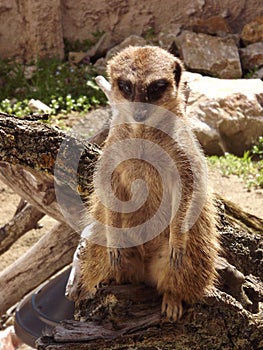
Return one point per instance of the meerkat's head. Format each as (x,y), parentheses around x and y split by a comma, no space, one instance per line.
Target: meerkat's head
(145,75)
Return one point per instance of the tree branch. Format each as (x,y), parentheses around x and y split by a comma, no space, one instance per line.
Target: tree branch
(25,220)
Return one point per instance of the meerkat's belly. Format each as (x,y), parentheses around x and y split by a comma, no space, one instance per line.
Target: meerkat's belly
(139,184)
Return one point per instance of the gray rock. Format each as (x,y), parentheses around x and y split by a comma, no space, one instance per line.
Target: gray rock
(132,40)
(166,40)
(102,46)
(252,56)
(100,65)
(226,115)
(210,55)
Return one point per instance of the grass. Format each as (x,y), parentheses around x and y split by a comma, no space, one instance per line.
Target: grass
(249,167)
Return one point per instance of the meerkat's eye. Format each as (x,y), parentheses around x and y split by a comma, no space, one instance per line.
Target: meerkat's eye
(156,89)
(125,87)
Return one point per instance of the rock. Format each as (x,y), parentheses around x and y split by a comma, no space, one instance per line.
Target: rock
(38,106)
(100,65)
(258,74)
(210,55)
(226,115)
(252,56)
(215,25)
(36,28)
(167,39)
(253,31)
(208,137)
(132,40)
(102,46)
(29,72)
(31,29)
(77,57)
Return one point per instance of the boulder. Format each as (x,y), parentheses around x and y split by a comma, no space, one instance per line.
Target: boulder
(215,25)
(100,49)
(226,115)
(252,32)
(207,54)
(252,56)
(132,40)
(167,39)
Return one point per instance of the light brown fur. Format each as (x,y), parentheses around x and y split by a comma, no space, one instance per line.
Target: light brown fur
(179,263)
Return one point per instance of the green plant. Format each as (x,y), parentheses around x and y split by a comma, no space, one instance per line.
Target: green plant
(257,149)
(250,73)
(250,171)
(149,33)
(59,85)
(82,45)
(77,45)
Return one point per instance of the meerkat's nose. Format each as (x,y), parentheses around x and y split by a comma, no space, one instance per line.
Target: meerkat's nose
(140,114)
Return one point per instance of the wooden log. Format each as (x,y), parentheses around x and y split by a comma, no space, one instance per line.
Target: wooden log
(50,254)
(25,220)
(241,237)
(35,146)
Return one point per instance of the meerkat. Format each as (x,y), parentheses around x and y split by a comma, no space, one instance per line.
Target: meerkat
(145,90)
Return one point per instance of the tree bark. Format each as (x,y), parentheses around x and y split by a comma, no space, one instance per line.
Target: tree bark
(128,317)
(49,255)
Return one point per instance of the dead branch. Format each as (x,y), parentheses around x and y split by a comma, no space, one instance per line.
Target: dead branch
(50,254)
(25,220)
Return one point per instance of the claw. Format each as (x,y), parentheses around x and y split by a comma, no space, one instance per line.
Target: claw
(115,258)
(172,308)
(176,258)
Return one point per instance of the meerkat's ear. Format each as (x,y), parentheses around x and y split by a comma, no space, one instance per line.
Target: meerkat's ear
(178,70)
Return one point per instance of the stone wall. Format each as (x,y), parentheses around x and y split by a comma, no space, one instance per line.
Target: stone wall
(36,28)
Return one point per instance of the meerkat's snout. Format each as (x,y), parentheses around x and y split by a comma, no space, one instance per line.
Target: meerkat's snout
(141,112)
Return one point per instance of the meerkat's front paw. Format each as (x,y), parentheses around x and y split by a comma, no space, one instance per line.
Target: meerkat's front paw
(172,308)
(115,257)
(176,257)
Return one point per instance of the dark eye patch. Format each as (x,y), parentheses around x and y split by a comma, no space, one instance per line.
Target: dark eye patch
(156,89)
(125,87)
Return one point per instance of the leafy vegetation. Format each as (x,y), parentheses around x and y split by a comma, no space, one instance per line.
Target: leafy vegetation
(257,150)
(249,167)
(82,45)
(61,86)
